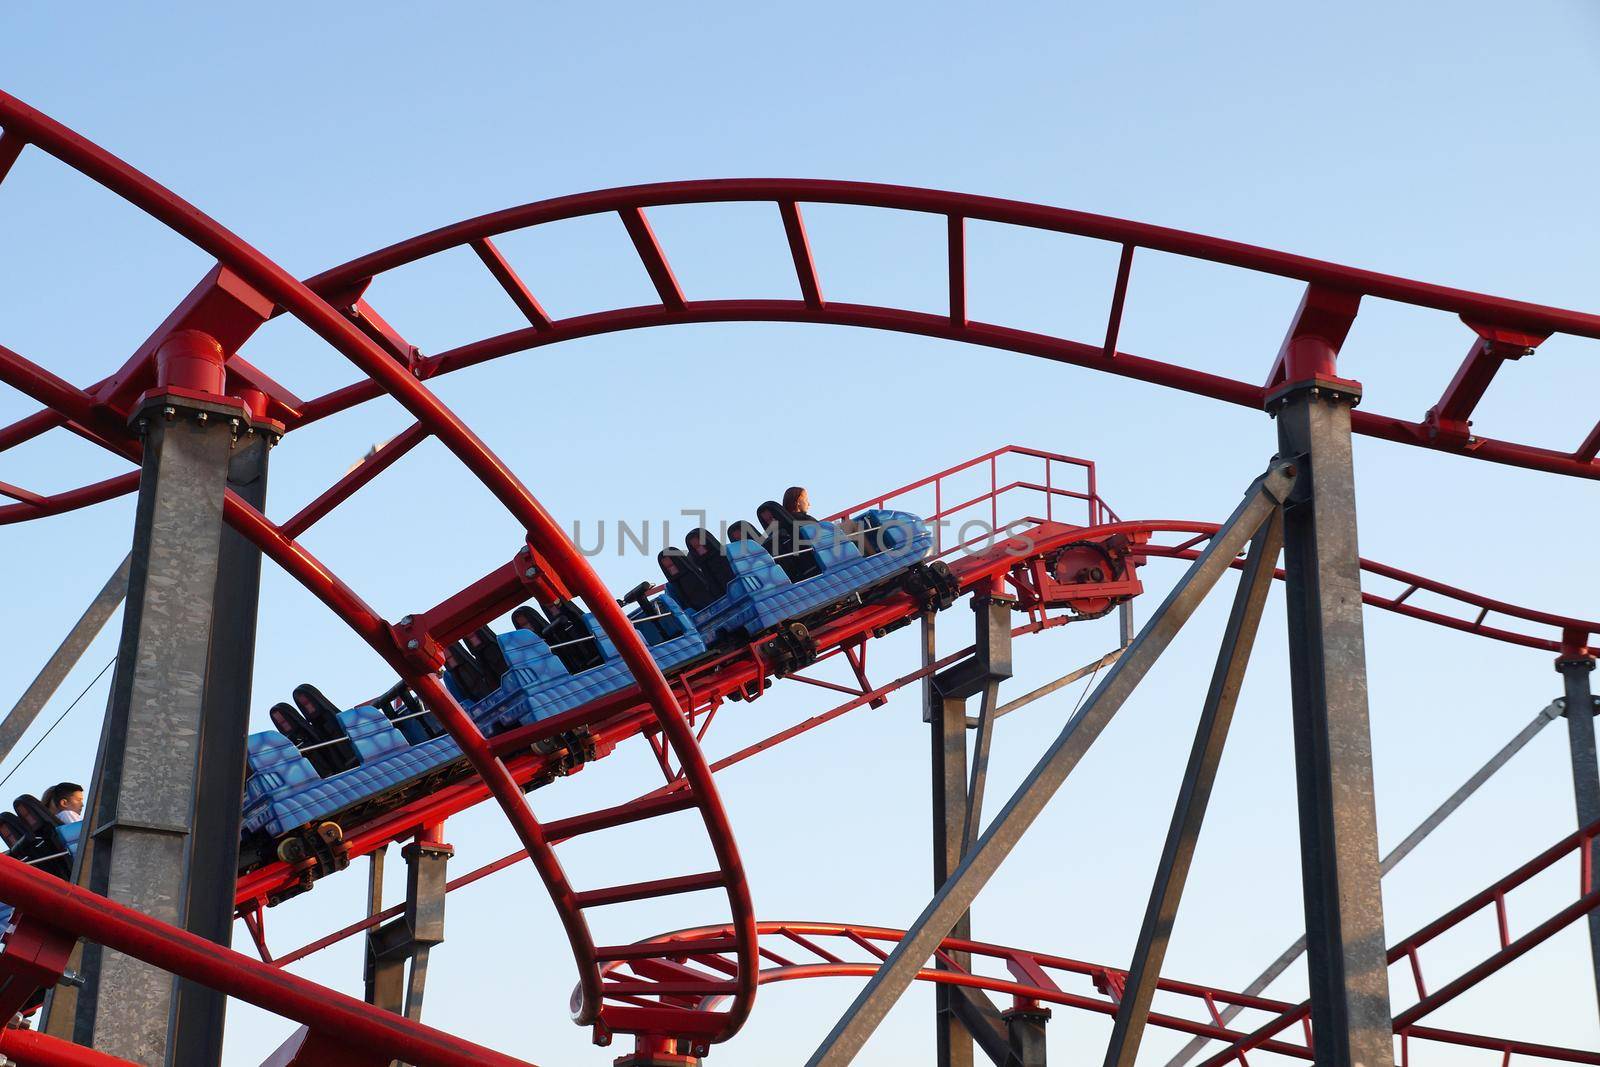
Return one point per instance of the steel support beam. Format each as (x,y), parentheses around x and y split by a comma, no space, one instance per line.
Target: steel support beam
(1189,812)
(1025,1033)
(139,848)
(1349,980)
(1071,676)
(407,938)
(1575,672)
(65,657)
(962,1015)
(948,733)
(979,777)
(955,897)
(225,729)
(1419,833)
(985,1022)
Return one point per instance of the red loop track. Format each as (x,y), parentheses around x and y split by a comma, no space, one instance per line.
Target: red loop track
(93,412)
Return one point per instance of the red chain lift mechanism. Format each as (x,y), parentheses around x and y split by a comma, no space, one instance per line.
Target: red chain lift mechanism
(197,420)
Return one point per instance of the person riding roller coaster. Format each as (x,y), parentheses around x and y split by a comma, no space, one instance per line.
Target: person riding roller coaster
(797,502)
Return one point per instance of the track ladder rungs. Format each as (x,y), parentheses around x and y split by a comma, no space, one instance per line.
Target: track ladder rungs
(660,887)
(651,950)
(670,989)
(620,815)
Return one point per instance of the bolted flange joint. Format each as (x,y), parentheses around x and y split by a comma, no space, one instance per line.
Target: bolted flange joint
(416,646)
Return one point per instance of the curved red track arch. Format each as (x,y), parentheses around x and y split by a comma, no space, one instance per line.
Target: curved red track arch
(331,305)
(400,645)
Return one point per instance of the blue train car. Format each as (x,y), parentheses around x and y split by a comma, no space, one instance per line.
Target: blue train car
(296,792)
(284,792)
(761,594)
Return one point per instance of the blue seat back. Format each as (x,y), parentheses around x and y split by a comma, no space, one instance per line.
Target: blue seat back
(276,764)
(527,651)
(601,642)
(832,549)
(898,532)
(754,569)
(372,733)
(657,631)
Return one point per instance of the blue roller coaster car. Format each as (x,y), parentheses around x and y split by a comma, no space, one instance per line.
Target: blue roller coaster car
(284,792)
(326,764)
(828,568)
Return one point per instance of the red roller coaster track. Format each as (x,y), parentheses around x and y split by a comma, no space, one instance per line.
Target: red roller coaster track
(246,289)
(836,950)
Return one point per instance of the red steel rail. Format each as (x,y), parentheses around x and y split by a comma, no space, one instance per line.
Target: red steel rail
(621,716)
(1498,329)
(706,686)
(808,950)
(411,650)
(358,1027)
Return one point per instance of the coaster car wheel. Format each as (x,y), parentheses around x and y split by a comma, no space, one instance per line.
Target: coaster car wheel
(931,585)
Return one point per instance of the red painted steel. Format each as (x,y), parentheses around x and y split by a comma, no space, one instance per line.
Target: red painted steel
(246,287)
(413,656)
(33,1049)
(838,948)
(618,717)
(172,949)
(1485,313)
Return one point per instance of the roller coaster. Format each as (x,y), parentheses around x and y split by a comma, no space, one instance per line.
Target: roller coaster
(126,930)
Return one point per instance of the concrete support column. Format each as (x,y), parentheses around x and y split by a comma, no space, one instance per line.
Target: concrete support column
(141,848)
(1333,742)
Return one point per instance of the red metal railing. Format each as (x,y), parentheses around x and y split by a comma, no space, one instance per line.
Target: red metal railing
(1045,491)
(1510,949)
(1547,631)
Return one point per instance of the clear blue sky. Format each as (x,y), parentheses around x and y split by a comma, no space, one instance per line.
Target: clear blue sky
(1454,143)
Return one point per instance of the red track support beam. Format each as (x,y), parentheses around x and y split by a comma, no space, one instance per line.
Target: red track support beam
(1451,417)
(1315,336)
(11,147)
(650,254)
(507,276)
(1119,297)
(384,457)
(1590,447)
(956,244)
(805,268)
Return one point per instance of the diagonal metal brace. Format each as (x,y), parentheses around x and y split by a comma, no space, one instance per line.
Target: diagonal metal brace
(955,897)
(1189,812)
